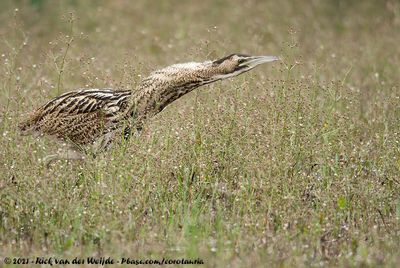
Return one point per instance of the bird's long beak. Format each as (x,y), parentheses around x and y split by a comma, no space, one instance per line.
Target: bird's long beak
(253,61)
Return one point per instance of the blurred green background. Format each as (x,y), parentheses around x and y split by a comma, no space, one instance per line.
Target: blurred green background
(295,164)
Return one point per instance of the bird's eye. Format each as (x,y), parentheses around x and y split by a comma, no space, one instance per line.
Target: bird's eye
(240,61)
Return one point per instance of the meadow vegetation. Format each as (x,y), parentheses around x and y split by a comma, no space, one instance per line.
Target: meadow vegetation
(295,164)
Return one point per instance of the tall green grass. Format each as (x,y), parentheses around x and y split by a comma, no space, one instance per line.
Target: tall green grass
(294,164)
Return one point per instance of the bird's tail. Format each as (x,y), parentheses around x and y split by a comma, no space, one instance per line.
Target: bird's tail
(26,125)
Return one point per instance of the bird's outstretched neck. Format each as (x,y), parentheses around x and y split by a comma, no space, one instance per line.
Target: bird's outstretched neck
(164,86)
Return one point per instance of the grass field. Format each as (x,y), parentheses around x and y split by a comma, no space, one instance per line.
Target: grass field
(295,164)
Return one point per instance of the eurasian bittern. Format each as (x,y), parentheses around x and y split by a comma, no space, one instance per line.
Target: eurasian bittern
(92,118)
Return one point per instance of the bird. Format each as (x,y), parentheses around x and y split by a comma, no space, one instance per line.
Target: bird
(90,120)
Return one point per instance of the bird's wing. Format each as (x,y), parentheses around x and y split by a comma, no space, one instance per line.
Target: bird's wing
(80,116)
(86,101)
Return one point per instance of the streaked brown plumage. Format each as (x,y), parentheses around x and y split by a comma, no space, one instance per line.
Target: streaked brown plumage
(79,116)
(92,118)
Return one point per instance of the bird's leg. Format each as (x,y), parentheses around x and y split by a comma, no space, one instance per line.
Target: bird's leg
(68,154)
(104,143)
(137,130)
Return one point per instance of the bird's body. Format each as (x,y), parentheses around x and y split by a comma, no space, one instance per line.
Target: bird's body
(95,116)
(79,116)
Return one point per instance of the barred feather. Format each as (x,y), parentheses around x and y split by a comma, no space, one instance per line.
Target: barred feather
(78,116)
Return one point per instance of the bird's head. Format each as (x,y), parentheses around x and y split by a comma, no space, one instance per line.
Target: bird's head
(236,64)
